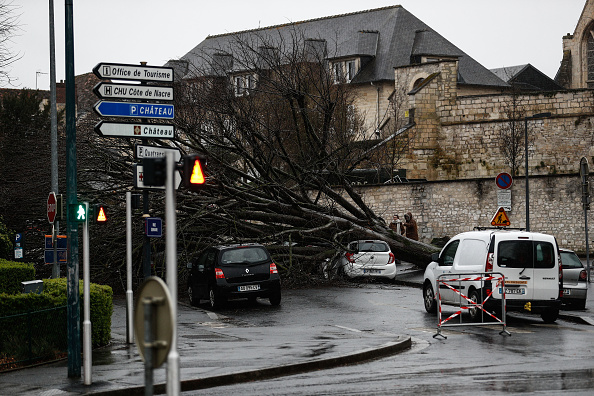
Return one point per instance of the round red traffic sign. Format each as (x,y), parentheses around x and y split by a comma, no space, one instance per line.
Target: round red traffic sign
(51,207)
(503,180)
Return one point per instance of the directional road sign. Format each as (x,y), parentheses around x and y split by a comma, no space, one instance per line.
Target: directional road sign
(139,177)
(135,130)
(143,151)
(134,110)
(120,71)
(105,90)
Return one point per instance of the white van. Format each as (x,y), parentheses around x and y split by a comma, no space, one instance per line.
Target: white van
(529,261)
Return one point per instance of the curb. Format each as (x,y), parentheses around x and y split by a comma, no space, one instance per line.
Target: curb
(389,348)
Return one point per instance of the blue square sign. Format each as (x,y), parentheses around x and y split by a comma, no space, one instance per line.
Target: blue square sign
(153,227)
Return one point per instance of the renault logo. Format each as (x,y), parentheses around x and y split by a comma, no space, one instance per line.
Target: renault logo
(247,270)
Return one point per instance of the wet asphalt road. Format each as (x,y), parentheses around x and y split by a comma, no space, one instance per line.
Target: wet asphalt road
(536,358)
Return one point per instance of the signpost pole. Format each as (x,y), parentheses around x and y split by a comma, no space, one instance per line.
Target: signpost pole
(585,173)
(87,349)
(173,385)
(129,295)
(72,275)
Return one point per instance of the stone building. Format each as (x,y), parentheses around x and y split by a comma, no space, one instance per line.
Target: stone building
(577,66)
(452,109)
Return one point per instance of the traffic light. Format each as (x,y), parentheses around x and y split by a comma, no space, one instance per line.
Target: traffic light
(99,214)
(194,171)
(154,170)
(60,215)
(78,212)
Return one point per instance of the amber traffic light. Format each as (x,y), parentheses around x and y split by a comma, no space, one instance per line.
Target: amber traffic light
(194,171)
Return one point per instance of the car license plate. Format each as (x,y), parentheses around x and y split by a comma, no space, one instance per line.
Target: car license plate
(372,271)
(566,292)
(248,288)
(513,290)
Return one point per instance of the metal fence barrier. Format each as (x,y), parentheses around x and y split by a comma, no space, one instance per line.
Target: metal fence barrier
(457,283)
(32,337)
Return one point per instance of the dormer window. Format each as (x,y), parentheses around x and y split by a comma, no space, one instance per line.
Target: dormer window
(343,71)
(243,84)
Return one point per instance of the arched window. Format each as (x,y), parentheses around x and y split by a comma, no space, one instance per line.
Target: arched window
(590,57)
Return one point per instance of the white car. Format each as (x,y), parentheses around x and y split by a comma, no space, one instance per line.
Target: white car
(368,258)
(529,261)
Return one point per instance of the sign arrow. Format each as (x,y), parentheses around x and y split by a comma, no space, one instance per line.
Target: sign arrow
(134,110)
(105,90)
(135,130)
(121,71)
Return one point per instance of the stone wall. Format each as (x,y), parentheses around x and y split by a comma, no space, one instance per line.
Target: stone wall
(446,208)
(458,137)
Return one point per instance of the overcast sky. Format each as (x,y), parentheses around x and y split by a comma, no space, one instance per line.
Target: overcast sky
(495,33)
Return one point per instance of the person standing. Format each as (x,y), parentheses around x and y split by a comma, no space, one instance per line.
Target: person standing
(410,226)
(396,225)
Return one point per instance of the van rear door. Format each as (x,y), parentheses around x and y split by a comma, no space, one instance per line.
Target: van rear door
(529,267)
(514,259)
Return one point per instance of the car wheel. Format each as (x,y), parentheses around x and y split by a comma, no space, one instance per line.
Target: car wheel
(194,300)
(429,298)
(475,313)
(580,305)
(275,298)
(215,298)
(550,315)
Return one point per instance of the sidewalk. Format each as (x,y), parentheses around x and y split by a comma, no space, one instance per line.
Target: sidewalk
(214,350)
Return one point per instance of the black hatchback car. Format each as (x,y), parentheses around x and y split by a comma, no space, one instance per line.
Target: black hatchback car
(233,272)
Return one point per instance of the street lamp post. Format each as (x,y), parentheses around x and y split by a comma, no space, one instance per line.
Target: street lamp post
(535,116)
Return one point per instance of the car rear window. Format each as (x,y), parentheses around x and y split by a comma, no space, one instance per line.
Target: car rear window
(244,255)
(570,260)
(373,247)
(525,254)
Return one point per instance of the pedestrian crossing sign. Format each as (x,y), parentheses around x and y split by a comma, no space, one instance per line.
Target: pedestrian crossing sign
(500,219)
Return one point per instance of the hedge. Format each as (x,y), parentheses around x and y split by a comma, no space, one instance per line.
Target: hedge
(12,273)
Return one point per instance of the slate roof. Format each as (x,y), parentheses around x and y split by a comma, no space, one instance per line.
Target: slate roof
(526,77)
(385,38)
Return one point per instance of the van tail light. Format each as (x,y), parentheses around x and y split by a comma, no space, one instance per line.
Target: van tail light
(391,259)
(219,273)
(583,275)
(273,269)
(349,257)
(489,263)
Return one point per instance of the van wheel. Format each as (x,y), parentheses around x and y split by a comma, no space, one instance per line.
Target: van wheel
(429,298)
(550,315)
(475,313)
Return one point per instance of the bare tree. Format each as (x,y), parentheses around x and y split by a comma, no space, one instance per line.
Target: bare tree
(511,137)
(282,135)
(9,26)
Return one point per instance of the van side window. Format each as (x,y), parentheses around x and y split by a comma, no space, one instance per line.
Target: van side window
(475,252)
(447,257)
